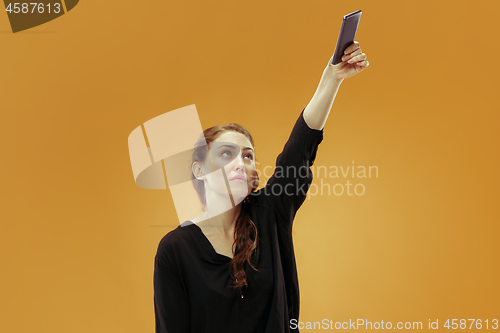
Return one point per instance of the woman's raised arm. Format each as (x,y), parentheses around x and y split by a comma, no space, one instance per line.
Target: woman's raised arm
(318,109)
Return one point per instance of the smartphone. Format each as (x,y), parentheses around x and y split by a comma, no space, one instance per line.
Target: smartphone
(347,34)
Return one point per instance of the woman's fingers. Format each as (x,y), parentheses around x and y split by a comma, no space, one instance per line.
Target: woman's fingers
(363,64)
(351,48)
(349,56)
(357,58)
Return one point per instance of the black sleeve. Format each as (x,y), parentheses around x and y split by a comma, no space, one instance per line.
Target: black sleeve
(287,188)
(171,301)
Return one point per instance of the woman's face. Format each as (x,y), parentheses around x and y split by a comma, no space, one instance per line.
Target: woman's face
(232,153)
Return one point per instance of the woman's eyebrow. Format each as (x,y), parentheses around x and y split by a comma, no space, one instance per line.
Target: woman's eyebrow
(228,146)
(246,148)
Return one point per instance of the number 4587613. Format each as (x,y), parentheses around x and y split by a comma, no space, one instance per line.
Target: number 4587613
(40,8)
(476,323)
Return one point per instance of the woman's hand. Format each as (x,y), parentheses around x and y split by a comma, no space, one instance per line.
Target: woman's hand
(353,62)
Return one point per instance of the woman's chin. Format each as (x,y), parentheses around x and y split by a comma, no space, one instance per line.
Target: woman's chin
(239,193)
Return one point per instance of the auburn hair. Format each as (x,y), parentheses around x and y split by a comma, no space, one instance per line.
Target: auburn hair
(245,231)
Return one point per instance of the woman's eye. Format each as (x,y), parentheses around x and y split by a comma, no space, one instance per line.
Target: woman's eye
(249,155)
(226,151)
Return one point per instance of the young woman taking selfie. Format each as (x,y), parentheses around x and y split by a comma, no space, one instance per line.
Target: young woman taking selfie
(232,268)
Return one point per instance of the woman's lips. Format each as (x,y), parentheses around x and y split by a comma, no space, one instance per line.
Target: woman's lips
(238,180)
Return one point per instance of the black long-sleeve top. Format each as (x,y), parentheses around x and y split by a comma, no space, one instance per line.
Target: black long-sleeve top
(192,292)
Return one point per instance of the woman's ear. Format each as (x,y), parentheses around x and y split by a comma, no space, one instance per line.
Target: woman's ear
(197,170)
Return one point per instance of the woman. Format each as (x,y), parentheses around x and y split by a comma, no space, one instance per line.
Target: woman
(232,269)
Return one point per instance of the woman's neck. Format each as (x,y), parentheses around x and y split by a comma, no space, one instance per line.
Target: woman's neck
(222,223)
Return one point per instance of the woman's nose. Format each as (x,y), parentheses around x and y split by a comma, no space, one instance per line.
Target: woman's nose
(240,163)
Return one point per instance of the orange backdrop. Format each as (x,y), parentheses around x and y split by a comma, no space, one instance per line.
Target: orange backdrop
(79,236)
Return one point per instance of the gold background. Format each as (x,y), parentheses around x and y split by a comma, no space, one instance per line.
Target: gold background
(79,237)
